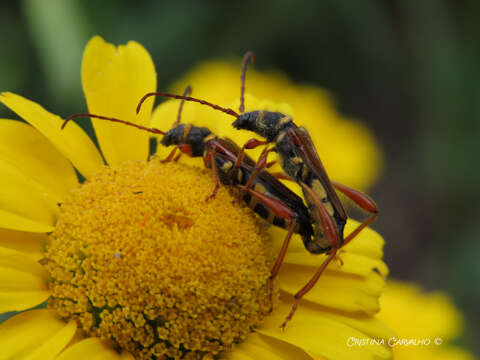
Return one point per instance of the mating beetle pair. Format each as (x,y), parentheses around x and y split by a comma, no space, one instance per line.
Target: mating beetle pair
(321,224)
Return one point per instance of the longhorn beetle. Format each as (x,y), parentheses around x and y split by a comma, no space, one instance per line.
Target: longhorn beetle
(301,164)
(267,196)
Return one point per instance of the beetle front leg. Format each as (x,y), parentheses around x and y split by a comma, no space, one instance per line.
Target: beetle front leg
(184,149)
(170,155)
(261,164)
(250,144)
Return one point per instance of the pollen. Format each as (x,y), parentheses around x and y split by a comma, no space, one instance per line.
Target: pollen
(139,257)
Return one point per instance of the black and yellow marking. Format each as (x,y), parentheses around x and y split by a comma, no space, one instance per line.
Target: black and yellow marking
(284,120)
(227,166)
(260,116)
(186,131)
(209,138)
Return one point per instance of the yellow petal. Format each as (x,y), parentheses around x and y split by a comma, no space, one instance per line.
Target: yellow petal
(432,352)
(352,263)
(369,325)
(30,244)
(414,313)
(13,221)
(367,243)
(259,347)
(72,142)
(238,355)
(114,79)
(29,151)
(356,294)
(94,349)
(55,344)
(22,197)
(23,282)
(319,335)
(36,334)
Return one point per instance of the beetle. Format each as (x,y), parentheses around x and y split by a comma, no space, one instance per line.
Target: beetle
(300,163)
(263,193)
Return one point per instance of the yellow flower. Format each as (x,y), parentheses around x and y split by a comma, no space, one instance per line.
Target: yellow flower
(134,263)
(430,319)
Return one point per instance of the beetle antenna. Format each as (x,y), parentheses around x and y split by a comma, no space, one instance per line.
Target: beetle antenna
(248,55)
(187,98)
(152,130)
(188,91)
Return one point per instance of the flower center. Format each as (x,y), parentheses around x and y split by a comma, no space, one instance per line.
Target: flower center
(139,257)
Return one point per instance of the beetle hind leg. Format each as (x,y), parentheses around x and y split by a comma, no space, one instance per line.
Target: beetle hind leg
(361,200)
(308,286)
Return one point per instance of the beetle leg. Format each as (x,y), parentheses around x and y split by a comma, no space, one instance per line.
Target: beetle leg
(282,211)
(271,163)
(282,176)
(211,155)
(279,261)
(261,164)
(250,144)
(170,155)
(177,157)
(184,149)
(338,259)
(309,286)
(239,160)
(331,234)
(361,200)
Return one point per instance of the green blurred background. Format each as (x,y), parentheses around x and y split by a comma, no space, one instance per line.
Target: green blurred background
(409,69)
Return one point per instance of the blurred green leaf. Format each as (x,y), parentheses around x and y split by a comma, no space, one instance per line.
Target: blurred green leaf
(59,31)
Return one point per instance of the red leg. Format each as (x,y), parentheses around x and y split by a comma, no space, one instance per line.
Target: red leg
(309,286)
(261,164)
(184,149)
(170,156)
(271,163)
(275,205)
(359,228)
(330,231)
(361,200)
(250,144)
(282,211)
(211,155)
(279,261)
(281,176)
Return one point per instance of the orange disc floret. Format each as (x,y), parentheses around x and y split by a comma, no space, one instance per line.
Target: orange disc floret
(139,257)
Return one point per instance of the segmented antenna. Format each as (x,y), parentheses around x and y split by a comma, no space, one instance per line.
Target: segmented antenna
(152,130)
(187,98)
(188,91)
(248,55)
